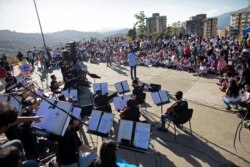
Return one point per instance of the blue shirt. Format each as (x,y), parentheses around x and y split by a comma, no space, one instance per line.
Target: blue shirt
(132,59)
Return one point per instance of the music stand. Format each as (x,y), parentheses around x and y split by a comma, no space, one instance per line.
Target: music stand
(100,123)
(134,136)
(122,87)
(160,98)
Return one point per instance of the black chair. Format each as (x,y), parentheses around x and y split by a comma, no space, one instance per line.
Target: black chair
(182,118)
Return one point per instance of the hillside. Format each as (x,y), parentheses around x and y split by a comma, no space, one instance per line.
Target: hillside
(11,41)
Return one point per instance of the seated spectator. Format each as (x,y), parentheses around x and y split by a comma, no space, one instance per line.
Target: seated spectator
(130,112)
(232,96)
(173,110)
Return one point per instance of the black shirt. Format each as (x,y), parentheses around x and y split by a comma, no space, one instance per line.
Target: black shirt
(53,86)
(138,92)
(182,106)
(132,114)
(68,146)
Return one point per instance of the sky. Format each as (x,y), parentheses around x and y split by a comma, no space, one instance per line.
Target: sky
(102,15)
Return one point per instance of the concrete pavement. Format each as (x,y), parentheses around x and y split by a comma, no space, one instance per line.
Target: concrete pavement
(213,127)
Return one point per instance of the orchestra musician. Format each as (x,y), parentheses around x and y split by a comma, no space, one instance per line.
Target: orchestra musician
(55,85)
(137,92)
(179,106)
(9,118)
(130,111)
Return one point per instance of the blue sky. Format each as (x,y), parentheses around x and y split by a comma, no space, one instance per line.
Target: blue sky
(102,15)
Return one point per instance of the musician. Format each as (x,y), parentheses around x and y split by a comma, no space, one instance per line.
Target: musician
(101,102)
(69,75)
(54,85)
(130,112)
(179,106)
(10,80)
(8,118)
(69,145)
(137,92)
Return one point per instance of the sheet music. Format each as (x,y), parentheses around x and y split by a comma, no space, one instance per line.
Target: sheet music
(94,120)
(156,98)
(122,87)
(54,120)
(101,86)
(164,96)
(106,123)
(142,135)
(76,112)
(121,102)
(118,87)
(125,86)
(159,97)
(16,102)
(70,94)
(125,130)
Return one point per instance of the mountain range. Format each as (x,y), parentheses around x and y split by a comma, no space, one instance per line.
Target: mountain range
(11,41)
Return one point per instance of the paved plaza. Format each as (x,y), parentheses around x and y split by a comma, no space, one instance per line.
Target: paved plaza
(213,127)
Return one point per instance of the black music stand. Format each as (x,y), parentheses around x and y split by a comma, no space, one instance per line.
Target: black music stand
(100,123)
(122,87)
(160,98)
(134,136)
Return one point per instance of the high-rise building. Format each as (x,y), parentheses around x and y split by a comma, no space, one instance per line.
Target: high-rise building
(156,23)
(210,27)
(195,25)
(239,21)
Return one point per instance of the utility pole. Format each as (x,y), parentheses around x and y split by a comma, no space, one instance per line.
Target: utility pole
(44,44)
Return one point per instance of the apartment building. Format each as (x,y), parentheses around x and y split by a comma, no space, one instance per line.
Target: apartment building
(210,27)
(156,23)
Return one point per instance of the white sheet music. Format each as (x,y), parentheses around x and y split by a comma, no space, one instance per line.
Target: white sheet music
(125,130)
(72,93)
(76,112)
(94,120)
(122,87)
(142,135)
(164,96)
(54,120)
(106,123)
(16,102)
(101,86)
(159,97)
(125,86)
(121,102)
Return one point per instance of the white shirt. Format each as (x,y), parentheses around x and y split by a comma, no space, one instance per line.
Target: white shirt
(132,59)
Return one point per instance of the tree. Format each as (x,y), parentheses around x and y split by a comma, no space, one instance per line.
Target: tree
(140,17)
(132,33)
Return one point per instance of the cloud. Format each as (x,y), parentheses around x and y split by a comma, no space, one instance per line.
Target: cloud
(212,12)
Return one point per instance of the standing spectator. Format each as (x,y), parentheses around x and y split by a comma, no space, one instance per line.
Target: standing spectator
(19,56)
(132,63)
